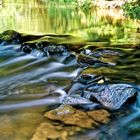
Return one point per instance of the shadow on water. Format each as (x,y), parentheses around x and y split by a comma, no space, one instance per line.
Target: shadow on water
(26,80)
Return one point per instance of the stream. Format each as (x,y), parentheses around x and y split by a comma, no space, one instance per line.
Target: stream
(26,79)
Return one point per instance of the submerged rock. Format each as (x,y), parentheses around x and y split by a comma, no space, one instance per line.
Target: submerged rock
(48,130)
(71,116)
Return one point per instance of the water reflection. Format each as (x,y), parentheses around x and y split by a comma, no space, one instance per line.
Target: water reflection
(37,17)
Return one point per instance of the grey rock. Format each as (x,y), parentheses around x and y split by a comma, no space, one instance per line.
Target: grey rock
(112,96)
(75,100)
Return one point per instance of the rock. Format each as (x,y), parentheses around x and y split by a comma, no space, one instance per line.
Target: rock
(71,116)
(75,100)
(49,130)
(106,55)
(43,45)
(10,37)
(112,96)
(99,115)
(97,89)
(82,81)
(106,52)
(13,37)
(29,46)
(103,52)
(85,60)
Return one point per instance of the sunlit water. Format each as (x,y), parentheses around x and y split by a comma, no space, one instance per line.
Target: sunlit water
(25,80)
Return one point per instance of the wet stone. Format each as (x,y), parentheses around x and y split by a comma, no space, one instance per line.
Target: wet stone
(82,81)
(28,46)
(105,55)
(75,100)
(10,37)
(43,48)
(71,116)
(55,48)
(42,45)
(112,96)
(97,89)
(85,61)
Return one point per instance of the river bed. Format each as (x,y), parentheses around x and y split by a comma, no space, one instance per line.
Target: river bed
(25,78)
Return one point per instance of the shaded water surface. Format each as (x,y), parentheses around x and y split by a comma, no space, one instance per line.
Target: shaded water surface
(25,79)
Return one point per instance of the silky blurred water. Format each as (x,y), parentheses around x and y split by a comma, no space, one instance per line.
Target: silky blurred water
(25,80)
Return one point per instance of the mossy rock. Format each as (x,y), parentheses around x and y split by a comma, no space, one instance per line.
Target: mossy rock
(10,37)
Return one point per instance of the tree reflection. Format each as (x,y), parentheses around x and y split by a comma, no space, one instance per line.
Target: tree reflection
(37,17)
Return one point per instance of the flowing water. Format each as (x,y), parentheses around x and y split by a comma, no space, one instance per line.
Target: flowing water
(25,80)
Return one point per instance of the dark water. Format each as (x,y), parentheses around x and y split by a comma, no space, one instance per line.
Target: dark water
(25,80)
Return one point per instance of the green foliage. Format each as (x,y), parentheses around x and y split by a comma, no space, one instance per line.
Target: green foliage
(84,4)
(132,9)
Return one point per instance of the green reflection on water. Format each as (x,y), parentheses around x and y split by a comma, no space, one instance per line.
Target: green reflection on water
(37,17)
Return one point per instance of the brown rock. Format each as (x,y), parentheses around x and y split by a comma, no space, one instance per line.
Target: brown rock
(80,119)
(60,113)
(68,121)
(99,115)
(48,130)
(70,116)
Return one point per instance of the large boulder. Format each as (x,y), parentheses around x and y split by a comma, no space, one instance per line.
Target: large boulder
(111,96)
